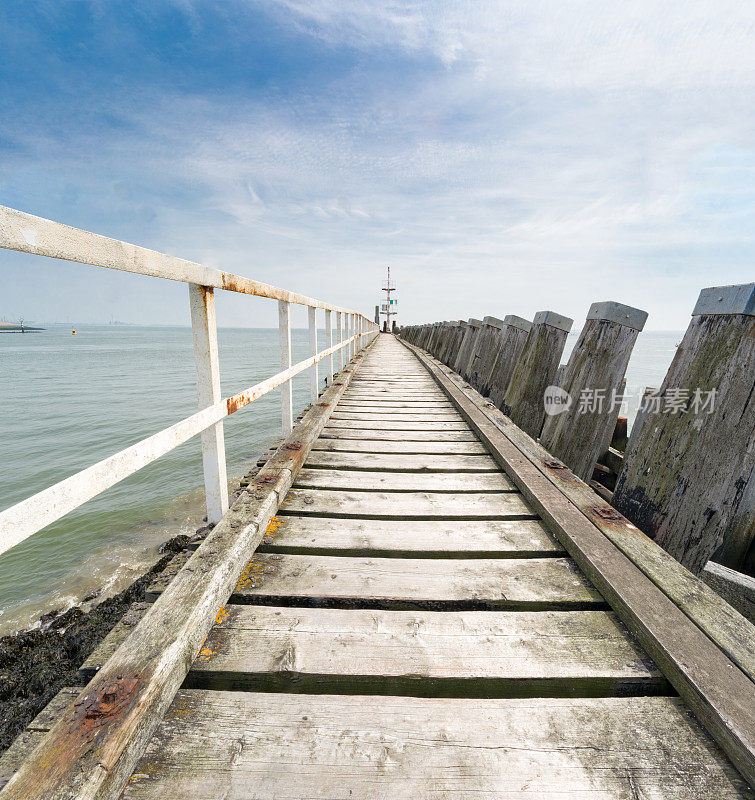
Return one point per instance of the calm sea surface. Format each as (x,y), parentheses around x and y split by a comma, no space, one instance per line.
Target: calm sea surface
(68,401)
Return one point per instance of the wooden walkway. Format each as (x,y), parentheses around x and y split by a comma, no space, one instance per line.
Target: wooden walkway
(410,629)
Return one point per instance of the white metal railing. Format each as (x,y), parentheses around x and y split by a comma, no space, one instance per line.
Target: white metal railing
(30,234)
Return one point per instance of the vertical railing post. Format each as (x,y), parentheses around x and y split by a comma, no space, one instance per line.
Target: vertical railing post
(329,344)
(205,336)
(351,334)
(339,333)
(284,332)
(314,378)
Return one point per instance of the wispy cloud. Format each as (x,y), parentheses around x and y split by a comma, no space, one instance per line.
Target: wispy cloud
(501,157)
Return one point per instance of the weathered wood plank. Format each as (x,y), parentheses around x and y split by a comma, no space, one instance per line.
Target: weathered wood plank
(427,424)
(736,588)
(406,403)
(402,481)
(238,745)
(370,446)
(597,364)
(396,583)
(397,462)
(406,505)
(410,538)
(477,653)
(373,434)
(535,370)
(659,600)
(396,416)
(420,653)
(689,477)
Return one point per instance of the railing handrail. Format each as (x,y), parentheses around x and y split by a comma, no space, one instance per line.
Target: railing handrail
(43,237)
(35,235)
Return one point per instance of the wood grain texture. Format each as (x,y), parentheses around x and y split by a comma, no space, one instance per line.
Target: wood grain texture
(35,731)
(410,538)
(398,462)
(597,364)
(372,446)
(496,382)
(419,653)
(409,583)
(426,424)
(534,371)
(402,481)
(239,745)
(689,479)
(406,505)
(402,436)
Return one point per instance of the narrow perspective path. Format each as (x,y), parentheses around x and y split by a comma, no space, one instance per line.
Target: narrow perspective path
(409,629)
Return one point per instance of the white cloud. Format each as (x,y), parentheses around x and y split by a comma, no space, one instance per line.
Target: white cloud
(554,155)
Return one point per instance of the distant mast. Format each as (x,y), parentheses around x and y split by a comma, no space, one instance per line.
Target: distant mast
(389,302)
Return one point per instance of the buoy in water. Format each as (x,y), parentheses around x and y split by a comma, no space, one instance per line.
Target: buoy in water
(73,333)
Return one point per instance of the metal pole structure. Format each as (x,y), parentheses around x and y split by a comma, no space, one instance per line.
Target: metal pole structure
(339,334)
(329,343)
(284,332)
(388,302)
(314,377)
(205,336)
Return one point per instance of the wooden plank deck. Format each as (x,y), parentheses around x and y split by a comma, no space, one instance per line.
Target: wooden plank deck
(410,628)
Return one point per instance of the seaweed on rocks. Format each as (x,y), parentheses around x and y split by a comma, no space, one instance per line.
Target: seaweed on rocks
(36,664)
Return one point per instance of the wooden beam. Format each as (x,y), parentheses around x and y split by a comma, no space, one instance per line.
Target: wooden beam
(577,433)
(689,476)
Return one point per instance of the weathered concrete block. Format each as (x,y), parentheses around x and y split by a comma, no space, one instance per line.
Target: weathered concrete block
(535,370)
(513,338)
(577,433)
(689,476)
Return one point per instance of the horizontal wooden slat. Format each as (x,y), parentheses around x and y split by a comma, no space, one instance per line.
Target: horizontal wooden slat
(428,537)
(427,424)
(373,434)
(402,481)
(421,653)
(406,505)
(397,405)
(398,462)
(410,538)
(240,745)
(371,446)
(400,415)
(395,583)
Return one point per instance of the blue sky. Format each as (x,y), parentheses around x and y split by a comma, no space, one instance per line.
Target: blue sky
(501,157)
